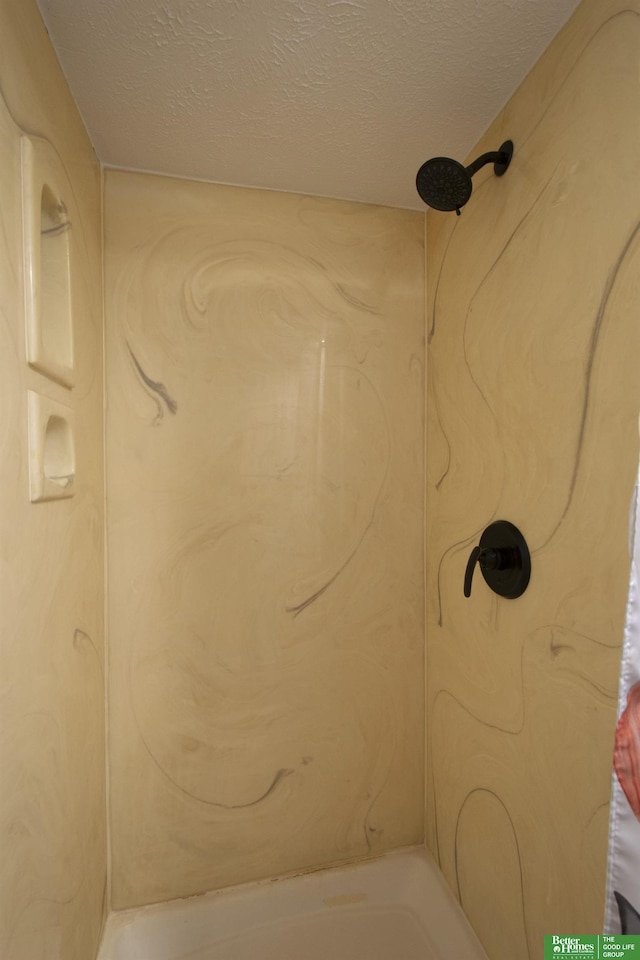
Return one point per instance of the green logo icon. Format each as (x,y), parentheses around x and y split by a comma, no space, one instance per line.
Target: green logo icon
(596,947)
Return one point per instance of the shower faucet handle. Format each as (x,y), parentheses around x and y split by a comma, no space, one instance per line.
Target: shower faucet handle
(471,565)
(489,559)
(504,560)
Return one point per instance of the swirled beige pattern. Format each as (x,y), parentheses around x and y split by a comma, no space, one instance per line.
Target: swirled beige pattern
(52,757)
(533,406)
(265,570)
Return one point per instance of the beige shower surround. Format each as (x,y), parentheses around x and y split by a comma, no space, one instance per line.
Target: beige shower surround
(266,564)
(264,449)
(534,394)
(53,873)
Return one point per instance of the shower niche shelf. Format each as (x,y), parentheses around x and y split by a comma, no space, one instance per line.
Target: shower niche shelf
(48,262)
(52,469)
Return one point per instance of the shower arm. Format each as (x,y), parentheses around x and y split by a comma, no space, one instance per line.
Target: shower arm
(497,157)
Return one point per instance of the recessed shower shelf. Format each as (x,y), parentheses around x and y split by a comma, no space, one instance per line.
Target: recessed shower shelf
(48,262)
(52,470)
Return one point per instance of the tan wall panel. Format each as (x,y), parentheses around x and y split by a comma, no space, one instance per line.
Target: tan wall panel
(265,564)
(533,406)
(52,789)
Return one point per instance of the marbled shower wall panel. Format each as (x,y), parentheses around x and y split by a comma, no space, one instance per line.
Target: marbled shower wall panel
(52,782)
(265,384)
(533,406)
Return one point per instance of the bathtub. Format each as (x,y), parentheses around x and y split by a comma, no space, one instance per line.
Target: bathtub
(397,907)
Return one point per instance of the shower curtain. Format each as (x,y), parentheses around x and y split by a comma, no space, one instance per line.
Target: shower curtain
(622,912)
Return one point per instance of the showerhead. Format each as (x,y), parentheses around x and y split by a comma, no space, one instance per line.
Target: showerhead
(445,184)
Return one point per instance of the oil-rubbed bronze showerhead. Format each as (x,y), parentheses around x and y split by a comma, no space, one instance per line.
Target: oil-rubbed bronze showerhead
(445,184)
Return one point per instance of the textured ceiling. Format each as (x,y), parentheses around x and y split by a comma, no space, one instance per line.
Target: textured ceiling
(341,98)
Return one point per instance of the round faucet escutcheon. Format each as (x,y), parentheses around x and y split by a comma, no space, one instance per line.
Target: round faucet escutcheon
(504,560)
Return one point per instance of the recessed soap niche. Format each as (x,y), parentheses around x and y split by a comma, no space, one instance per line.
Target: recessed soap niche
(48,261)
(52,462)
